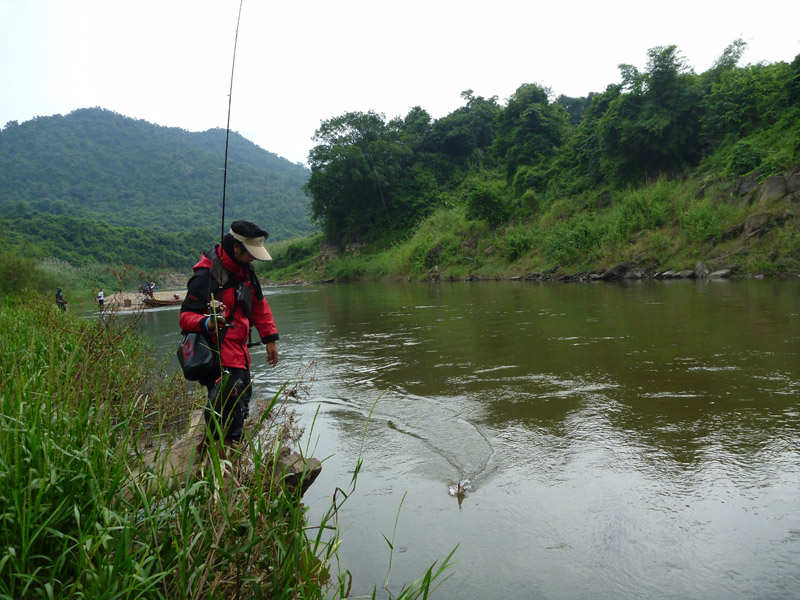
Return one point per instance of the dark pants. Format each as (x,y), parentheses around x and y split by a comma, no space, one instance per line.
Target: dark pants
(229,402)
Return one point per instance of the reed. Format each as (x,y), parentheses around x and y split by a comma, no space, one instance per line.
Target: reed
(83,516)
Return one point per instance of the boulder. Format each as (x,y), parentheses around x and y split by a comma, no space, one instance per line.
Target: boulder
(552,270)
(757,224)
(489,251)
(733,232)
(721,274)
(744,186)
(615,272)
(701,270)
(434,253)
(773,189)
(632,274)
(684,274)
(296,471)
(793,182)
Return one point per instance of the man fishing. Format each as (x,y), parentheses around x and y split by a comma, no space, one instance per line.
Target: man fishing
(60,301)
(224,300)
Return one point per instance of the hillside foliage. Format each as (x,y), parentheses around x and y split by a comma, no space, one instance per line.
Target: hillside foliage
(559,170)
(96,186)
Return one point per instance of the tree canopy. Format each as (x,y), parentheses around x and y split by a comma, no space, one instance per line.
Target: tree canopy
(370,176)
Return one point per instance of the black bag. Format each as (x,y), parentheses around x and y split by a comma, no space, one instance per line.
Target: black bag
(197,356)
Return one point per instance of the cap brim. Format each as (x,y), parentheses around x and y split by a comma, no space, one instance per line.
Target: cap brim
(258,252)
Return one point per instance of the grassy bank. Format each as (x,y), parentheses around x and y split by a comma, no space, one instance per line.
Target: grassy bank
(664,225)
(83,516)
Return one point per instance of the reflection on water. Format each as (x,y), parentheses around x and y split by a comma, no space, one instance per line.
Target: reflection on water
(620,441)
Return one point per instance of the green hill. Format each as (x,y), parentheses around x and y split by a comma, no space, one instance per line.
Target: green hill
(95,186)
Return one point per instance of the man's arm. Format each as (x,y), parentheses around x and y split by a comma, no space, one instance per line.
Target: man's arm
(195,304)
(261,317)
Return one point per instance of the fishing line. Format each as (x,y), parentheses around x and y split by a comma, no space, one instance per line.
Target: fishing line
(228,126)
(443,453)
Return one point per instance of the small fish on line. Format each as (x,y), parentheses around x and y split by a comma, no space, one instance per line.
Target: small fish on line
(460,488)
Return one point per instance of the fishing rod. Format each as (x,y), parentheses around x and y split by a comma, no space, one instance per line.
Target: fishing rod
(228,126)
(215,305)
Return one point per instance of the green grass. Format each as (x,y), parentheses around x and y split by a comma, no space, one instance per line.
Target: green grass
(82,515)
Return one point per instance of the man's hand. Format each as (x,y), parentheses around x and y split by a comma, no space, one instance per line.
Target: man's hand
(272,354)
(215,322)
(216,315)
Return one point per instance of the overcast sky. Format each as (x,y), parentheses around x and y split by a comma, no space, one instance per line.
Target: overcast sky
(303,61)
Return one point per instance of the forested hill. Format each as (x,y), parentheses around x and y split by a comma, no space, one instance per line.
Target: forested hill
(66,180)
(666,166)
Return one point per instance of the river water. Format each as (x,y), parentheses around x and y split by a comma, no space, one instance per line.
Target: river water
(625,440)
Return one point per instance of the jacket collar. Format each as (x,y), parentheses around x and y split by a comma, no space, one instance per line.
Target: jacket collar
(240,271)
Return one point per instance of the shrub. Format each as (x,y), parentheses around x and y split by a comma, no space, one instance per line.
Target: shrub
(639,209)
(701,222)
(516,243)
(573,240)
(744,157)
(485,202)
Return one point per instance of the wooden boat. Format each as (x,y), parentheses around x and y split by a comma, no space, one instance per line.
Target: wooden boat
(155,302)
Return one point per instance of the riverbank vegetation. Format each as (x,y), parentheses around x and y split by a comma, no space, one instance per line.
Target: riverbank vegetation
(661,170)
(85,517)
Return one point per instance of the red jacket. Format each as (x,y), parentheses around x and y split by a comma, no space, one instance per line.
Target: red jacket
(205,283)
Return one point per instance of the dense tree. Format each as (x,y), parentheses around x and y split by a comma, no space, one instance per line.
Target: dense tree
(575,107)
(793,84)
(743,99)
(652,127)
(466,134)
(530,128)
(81,241)
(356,173)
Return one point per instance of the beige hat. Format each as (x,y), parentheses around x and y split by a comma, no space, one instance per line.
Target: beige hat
(254,245)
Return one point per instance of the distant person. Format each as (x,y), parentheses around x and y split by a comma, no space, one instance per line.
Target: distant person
(100,299)
(60,301)
(227,268)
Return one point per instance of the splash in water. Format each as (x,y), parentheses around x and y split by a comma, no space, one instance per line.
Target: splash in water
(461,488)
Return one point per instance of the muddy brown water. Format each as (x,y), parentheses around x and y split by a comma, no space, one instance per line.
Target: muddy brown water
(621,440)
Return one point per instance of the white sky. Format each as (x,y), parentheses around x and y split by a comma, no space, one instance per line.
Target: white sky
(303,61)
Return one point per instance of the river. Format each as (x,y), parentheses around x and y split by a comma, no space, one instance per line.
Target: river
(623,440)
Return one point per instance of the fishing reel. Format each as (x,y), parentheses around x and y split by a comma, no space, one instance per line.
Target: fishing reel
(216,312)
(215,307)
